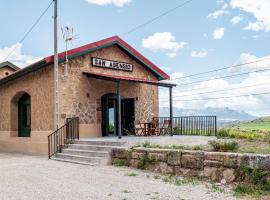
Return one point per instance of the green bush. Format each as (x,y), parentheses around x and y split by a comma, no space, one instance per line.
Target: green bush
(120,163)
(223,146)
(223,132)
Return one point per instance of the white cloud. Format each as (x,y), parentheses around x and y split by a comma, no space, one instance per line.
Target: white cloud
(199,54)
(236,19)
(163,41)
(220,2)
(17,57)
(256,26)
(118,3)
(264,63)
(259,9)
(171,55)
(253,104)
(218,14)
(218,33)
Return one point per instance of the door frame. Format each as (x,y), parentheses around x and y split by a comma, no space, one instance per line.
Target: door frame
(105,113)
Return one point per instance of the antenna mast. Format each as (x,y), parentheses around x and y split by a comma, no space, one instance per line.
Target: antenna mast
(67,32)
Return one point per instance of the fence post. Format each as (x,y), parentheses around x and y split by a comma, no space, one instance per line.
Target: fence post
(215,125)
(181,126)
(171,111)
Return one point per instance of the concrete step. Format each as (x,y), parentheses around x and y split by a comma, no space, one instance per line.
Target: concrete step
(101,143)
(73,161)
(85,159)
(86,153)
(90,147)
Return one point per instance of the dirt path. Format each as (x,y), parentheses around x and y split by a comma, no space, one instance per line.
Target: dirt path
(30,177)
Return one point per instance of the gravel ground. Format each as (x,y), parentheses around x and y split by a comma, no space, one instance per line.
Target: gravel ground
(27,177)
(162,140)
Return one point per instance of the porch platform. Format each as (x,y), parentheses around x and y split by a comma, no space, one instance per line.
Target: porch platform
(161,140)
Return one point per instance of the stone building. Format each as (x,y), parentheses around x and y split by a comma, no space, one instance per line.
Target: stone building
(87,89)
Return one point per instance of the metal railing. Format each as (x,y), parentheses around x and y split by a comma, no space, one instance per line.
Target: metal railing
(193,125)
(63,136)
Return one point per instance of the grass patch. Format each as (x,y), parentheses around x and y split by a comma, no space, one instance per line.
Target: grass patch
(224,146)
(238,133)
(120,163)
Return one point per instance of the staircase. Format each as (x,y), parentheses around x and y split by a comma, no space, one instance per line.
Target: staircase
(88,152)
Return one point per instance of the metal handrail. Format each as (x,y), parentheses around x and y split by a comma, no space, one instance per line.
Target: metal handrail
(63,136)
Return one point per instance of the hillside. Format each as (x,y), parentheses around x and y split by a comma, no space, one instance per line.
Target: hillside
(224,115)
(257,124)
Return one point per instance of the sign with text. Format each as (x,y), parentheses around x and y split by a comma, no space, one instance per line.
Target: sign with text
(99,62)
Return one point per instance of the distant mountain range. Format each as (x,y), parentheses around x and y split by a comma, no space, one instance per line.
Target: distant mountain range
(225,116)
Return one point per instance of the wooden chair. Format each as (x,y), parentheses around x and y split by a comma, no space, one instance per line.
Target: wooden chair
(165,127)
(154,128)
(139,129)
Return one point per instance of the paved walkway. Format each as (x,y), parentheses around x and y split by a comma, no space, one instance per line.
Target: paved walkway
(162,140)
(31,177)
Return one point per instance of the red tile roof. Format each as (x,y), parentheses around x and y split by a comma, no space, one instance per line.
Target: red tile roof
(107,42)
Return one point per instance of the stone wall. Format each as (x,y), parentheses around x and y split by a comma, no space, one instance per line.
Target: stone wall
(213,165)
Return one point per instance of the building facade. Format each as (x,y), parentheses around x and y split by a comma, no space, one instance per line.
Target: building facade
(87,89)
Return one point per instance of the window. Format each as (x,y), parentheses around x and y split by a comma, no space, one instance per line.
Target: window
(6,73)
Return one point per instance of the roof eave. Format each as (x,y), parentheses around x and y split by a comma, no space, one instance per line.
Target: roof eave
(34,67)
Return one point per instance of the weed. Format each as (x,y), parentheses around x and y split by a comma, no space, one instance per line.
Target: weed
(156,177)
(224,146)
(144,161)
(180,181)
(126,191)
(120,163)
(254,182)
(223,132)
(131,174)
(215,188)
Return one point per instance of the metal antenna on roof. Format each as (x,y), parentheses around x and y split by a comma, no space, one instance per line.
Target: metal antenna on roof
(68,37)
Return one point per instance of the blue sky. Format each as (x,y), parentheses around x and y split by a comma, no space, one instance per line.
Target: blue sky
(181,42)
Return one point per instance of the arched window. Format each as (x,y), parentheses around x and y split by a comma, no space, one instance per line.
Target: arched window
(21,115)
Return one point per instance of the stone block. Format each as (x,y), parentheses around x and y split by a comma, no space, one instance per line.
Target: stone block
(174,158)
(192,160)
(159,156)
(187,172)
(120,153)
(220,159)
(134,163)
(255,161)
(213,173)
(229,175)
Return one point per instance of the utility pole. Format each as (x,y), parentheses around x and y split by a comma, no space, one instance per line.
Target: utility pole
(56,117)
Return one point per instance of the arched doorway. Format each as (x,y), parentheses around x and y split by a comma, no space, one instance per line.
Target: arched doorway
(24,116)
(110,115)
